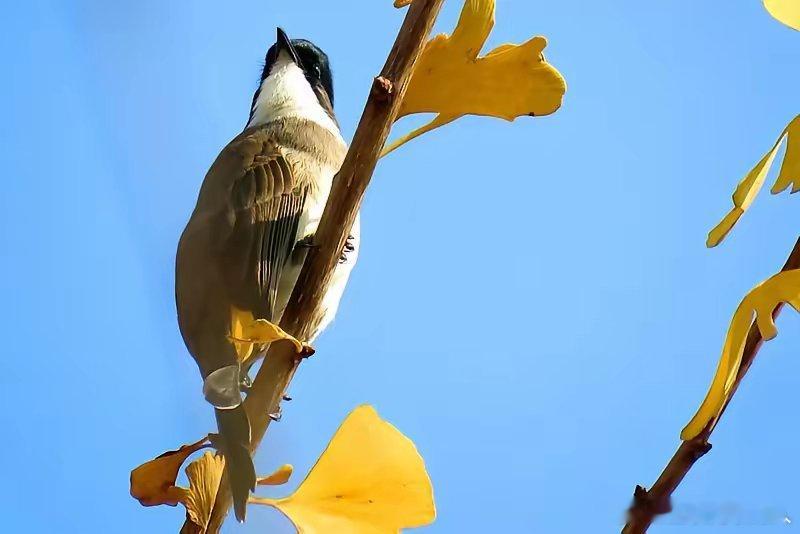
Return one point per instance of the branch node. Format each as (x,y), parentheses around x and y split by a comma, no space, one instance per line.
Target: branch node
(382,89)
(646,504)
(307,352)
(700,449)
(639,494)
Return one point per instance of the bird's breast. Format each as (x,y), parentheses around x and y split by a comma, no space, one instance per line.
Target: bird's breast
(318,195)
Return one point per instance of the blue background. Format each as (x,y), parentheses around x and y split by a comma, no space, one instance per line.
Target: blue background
(534,305)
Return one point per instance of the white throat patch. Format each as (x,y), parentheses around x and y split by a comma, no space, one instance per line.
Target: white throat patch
(287,93)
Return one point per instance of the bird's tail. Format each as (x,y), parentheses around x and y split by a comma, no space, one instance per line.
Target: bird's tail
(234,429)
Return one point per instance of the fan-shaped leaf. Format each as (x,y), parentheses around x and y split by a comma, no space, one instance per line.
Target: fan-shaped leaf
(369,480)
(153,483)
(451,80)
(204,474)
(786,11)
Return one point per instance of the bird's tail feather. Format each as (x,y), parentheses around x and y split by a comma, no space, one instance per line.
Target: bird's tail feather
(234,429)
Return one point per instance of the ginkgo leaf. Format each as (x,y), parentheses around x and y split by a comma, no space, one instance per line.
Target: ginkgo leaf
(789,175)
(240,318)
(205,475)
(451,80)
(369,480)
(153,482)
(247,331)
(280,476)
(761,301)
(748,188)
(786,11)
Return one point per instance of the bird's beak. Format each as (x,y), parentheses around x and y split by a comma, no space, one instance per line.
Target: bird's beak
(285,44)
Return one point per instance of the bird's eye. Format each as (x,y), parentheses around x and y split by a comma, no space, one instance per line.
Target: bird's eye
(317,71)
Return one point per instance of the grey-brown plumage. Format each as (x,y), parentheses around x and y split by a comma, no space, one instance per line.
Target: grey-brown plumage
(242,247)
(253,207)
(255,201)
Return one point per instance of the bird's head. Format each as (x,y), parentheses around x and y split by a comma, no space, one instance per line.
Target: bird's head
(296,81)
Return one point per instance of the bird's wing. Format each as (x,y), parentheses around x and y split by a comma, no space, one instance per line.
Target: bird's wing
(267,196)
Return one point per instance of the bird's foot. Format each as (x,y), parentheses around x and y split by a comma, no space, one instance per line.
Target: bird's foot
(306,242)
(349,246)
(245,383)
(262,332)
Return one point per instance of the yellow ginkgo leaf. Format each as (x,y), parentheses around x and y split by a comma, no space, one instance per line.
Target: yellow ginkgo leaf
(280,476)
(153,482)
(748,188)
(451,80)
(789,175)
(369,480)
(761,301)
(247,331)
(786,11)
(204,475)
(240,318)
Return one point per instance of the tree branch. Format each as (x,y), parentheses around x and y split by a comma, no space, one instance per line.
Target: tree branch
(647,504)
(343,204)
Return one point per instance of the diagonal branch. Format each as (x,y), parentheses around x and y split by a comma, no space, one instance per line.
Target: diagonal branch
(647,504)
(348,189)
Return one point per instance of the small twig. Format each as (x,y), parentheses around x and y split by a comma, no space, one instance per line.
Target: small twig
(343,204)
(648,504)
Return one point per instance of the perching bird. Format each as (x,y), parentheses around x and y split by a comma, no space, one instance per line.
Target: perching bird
(242,250)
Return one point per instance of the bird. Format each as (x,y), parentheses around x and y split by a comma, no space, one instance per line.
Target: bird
(244,245)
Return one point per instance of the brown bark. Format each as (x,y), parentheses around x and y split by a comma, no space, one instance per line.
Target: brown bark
(348,189)
(648,504)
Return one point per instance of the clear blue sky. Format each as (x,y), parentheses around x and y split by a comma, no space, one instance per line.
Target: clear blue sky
(567,316)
